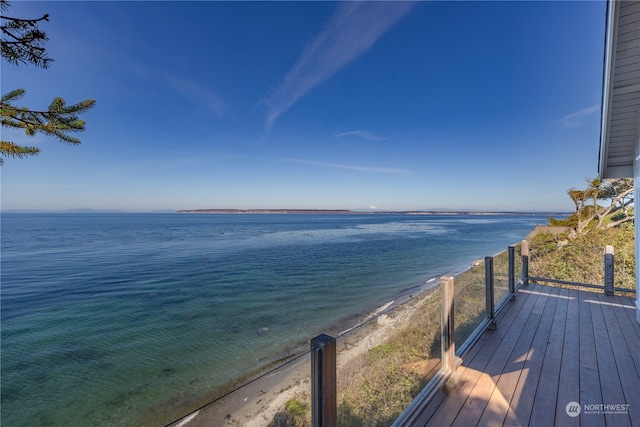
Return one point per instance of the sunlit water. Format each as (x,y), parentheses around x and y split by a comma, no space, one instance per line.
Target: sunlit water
(135,319)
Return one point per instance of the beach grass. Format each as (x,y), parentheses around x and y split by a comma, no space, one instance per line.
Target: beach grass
(581,259)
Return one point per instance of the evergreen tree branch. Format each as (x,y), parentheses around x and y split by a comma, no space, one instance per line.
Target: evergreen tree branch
(12,96)
(58,121)
(19,42)
(614,206)
(618,222)
(44,17)
(10,149)
(618,193)
(22,40)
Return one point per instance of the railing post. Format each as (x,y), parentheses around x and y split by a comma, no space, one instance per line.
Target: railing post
(324,408)
(489,291)
(524,248)
(447,341)
(608,269)
(512,272)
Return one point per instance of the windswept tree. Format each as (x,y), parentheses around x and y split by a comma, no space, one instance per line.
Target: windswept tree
(619,193)
(603,204)
(22,42)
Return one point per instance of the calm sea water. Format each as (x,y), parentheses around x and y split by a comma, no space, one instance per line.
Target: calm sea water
(130,319)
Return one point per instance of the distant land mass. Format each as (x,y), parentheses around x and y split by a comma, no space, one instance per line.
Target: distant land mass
(270,211)
(350,212)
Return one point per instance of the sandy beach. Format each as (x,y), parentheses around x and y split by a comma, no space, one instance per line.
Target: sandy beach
(258,403)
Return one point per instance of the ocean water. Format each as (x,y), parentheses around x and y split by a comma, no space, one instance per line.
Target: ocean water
(135,319)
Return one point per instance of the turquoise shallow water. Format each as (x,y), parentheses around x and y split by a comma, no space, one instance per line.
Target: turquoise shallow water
(134,319)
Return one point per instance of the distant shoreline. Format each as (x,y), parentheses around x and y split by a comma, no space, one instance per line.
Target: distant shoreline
(350,212)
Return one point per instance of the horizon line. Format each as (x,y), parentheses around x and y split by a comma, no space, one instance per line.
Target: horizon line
(293,210)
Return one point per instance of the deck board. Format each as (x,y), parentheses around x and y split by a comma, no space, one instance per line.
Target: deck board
(611,385)
(590,391)
(547,390)
(476,363)
(552,346)
(569,381)
(626,356)
(497,405)
(528,385)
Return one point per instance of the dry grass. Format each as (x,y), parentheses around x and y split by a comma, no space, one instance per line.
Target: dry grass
(581,259)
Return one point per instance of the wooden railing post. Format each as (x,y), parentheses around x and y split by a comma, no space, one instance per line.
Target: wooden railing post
(489,291)
(324,408)
(512,271)
(524,248)
(447,341)
(608,269)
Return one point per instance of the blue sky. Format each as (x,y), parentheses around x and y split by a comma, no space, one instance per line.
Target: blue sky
(328,105)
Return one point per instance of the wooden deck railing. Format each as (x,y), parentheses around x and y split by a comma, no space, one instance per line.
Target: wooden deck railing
(324,405)
(608,286)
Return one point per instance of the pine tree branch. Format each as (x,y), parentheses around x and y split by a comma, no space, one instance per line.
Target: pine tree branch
(614,207)
(10,149)
(33,21)
(9,107)
(22,40)
(13,95)
(57,108)
(57,121)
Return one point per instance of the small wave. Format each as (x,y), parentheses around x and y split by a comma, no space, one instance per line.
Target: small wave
(186,420)
(373,315)
(381,309)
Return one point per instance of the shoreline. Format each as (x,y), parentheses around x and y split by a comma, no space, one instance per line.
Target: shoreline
(366,212)
(259,401)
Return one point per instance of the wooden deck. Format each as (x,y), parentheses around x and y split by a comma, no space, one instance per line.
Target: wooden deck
(551,347)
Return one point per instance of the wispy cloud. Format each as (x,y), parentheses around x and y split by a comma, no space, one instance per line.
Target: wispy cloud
(362,134)
(575,119)
(376,169)
(198,93)
(352,31)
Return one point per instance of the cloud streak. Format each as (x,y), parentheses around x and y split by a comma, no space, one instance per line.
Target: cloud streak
(376,169)
(352,31)
(575,119)
(362,134)
(198,93)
